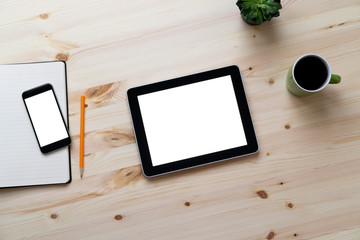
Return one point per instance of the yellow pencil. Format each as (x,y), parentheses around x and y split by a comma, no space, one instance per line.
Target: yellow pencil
(82,121)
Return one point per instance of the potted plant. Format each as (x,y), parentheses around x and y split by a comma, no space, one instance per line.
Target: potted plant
(255,12)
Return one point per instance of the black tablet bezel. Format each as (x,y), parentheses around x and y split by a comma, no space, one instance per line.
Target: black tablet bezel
(148,169)
(55,145)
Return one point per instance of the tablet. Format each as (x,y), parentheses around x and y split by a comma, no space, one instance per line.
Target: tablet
(191,121)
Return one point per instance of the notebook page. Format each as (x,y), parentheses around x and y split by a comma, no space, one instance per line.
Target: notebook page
(21,161)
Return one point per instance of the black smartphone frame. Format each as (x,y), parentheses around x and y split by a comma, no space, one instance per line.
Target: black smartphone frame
(35,91)
(148,169)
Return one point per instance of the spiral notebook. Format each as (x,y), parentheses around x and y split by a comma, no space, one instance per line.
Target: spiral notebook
(21,162)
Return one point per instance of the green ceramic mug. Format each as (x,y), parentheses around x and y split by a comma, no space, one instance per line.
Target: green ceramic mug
(310,73)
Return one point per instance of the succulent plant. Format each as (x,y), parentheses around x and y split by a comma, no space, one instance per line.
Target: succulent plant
(258,11)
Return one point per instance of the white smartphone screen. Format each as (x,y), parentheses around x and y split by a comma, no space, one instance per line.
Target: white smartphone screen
(46,118)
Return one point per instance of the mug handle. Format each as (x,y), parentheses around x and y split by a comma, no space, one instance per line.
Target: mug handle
(335,79)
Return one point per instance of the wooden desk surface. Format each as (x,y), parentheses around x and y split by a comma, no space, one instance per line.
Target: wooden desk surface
(303,184)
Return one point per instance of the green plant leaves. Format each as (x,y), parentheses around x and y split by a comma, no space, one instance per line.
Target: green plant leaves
(259,10)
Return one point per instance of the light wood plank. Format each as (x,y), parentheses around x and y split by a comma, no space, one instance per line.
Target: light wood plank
(303,184)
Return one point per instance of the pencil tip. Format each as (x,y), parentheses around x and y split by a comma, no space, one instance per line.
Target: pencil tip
(81,172)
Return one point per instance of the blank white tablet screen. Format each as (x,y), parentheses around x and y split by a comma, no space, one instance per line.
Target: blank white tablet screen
(191,120)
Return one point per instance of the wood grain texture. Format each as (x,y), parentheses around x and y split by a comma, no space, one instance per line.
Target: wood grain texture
(303,184)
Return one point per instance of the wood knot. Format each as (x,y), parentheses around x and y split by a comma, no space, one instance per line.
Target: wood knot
(187,204)
(271,81)
(54,216)
(254,36)
(62,57)
(271,235)
(295,234)
(118,217)
(287,126)
(262,194)
(267,154)
(290,205)
(44,16)
(97,91)
(104,94)
(126,176)
(281,183)
(250,68)
(86,105)
(119,137)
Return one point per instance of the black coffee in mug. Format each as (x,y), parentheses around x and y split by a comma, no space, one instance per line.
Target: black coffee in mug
(310,72)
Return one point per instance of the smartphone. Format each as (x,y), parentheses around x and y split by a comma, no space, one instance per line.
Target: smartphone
(46,118)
